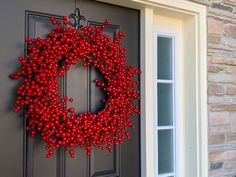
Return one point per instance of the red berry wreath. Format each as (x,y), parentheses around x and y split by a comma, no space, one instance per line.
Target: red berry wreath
(47,113)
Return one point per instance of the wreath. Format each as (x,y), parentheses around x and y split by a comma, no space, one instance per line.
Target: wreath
(46,110)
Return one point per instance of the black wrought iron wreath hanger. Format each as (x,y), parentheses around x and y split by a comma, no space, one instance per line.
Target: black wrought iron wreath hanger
(77,18)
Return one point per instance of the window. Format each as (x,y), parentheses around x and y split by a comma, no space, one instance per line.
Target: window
(165,128)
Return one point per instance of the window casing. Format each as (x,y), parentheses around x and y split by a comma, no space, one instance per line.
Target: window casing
(188,20)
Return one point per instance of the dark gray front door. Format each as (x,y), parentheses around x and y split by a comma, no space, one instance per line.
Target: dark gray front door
(21,156)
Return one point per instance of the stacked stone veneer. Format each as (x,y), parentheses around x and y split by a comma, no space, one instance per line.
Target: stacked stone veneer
(221,21)
(222,88)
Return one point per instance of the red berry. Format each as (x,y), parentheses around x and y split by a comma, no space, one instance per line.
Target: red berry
(47,112)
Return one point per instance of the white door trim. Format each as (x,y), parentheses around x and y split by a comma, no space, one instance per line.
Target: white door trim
(194,15)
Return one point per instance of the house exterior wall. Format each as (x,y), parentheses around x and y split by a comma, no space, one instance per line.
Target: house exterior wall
(221,39)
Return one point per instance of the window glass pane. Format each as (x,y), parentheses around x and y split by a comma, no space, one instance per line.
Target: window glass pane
(164,58)
(165,151)
(165,104)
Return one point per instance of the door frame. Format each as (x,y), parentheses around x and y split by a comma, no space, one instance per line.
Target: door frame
(194,20)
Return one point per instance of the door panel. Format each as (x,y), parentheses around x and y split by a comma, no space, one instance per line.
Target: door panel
(76,85)
(19,158)
(39,25)
(26,155)
(109,166)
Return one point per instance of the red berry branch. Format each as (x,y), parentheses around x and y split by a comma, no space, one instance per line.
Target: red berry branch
(47,112)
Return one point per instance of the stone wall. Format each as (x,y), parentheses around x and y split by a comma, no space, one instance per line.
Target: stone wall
(221,87)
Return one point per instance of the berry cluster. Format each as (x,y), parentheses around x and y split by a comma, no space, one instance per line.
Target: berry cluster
(47,112)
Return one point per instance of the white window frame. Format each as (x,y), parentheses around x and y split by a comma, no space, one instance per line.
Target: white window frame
(174,83)
(194,18)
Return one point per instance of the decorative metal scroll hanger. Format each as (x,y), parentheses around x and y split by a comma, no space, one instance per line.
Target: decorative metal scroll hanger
(77,18)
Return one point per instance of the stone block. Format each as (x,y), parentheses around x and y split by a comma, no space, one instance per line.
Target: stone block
(215,27)
(219,118)
(230,30)
(214,89)
(217,139)
(222,156)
